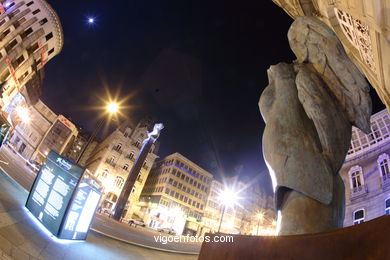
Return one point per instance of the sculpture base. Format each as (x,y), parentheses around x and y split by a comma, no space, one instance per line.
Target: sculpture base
(369,240)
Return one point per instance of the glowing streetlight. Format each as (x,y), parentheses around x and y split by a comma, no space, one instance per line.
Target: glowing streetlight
(260,217)
(228,198)
(112,108)
(23,114)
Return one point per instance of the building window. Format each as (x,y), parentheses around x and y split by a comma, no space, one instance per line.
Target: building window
(383,164)
(137,144)
(167,190)
(50,51)
(358,216)
(49,36)
(43,21)
(118,147)
(11,45)
(131,155)
(26,33)
(36,11)
(358,34)
(126,167)
(104,173)
(387,206)
(356,177)
(119,182)
(30,3)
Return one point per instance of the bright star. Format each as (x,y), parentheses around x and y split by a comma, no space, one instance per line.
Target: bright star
(91,20)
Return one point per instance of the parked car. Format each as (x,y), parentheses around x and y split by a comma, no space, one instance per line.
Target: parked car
(136,222)
(106,211)
(167,230)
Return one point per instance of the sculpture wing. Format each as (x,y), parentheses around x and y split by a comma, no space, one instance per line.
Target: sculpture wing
(314,43)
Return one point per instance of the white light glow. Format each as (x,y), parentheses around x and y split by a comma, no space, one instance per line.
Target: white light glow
(91,20)
(228,197)
(23,114)
(47,232)
(112,108)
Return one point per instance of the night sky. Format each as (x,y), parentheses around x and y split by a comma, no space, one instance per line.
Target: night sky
(198,67)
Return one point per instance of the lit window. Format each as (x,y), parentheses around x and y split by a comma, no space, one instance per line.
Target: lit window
(383,165)
(358,216)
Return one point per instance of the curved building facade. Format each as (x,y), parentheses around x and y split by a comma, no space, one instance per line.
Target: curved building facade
(366,172)
(30,35)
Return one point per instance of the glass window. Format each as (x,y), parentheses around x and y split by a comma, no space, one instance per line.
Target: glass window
(119,181)
(358,216)
(356,176)
(126,167)
(383,165)
(387,205)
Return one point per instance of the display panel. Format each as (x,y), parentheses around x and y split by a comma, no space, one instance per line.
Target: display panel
(52,190)
(81,211)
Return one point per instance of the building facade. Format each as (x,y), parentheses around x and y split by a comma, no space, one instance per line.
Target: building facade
(44,131)
(366,172)
(175,195)
(30,35)
(112,159)
(363,28)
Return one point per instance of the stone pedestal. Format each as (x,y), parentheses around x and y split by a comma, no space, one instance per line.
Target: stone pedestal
(369,240)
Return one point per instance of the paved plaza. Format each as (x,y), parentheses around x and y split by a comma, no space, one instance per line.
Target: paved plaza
(21,238)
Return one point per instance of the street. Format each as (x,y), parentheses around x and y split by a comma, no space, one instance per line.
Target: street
(16,168)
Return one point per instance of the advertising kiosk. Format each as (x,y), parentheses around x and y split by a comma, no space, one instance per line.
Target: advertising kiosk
(64,198)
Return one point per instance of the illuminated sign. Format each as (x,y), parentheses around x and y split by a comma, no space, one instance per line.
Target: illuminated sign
(62,202)
(81,210)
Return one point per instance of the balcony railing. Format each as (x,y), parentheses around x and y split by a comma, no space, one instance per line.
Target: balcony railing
(358,191)
(386,181)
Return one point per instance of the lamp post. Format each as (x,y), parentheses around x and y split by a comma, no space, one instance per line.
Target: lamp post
(228,198)
(112,108)
(259,217)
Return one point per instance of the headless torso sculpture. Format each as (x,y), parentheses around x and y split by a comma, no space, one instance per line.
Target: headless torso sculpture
(309,108)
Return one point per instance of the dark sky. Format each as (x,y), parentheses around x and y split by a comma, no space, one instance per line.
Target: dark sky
(198,67)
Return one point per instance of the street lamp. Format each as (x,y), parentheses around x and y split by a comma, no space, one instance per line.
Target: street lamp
(111,108)
(260,217)
(228,198)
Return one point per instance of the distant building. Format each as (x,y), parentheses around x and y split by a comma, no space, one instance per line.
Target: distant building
(252,215)
(30,35)
(45,131)
(175,195)
(112,159)
(366,172)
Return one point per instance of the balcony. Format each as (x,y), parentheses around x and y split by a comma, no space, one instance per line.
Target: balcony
(359,191)
(386,181)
